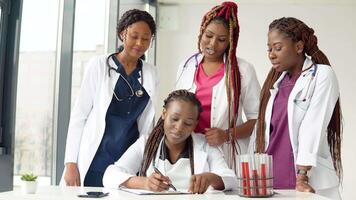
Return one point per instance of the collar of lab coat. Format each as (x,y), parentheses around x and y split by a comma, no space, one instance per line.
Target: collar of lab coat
(200,156)
(308,63)
(189,71)
(200,57)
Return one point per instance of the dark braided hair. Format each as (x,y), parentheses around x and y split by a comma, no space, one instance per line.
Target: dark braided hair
(296,30)
(133,16)
(157,133)
(226,13)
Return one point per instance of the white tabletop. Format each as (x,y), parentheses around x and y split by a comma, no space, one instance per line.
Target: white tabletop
(60,193)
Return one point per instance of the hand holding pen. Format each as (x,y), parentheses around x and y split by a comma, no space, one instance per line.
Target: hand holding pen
(163,179)
(156,182)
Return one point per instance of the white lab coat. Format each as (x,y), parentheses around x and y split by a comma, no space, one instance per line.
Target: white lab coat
(206,159)
(249,98)
(308,121)
(87,122)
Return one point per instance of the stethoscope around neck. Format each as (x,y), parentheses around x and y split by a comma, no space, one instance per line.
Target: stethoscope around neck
(137,93)
(185,66)
(307,94)
(195,56)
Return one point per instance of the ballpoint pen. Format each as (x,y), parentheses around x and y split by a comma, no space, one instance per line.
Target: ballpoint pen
(169,184)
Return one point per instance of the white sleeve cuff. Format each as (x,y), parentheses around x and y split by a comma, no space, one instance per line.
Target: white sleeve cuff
(230,183)
(306,159)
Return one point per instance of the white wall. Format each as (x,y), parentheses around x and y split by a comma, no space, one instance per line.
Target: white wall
(334,23)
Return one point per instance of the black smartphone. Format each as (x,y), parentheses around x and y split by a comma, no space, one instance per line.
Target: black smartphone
(94,194)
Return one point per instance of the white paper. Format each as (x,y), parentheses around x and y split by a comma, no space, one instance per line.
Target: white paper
(147,192)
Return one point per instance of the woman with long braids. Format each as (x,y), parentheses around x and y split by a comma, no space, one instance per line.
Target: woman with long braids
(225,85)
(299,120)
(115,104)
(184,159)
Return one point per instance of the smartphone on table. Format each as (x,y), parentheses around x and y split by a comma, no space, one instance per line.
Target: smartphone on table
(94,194)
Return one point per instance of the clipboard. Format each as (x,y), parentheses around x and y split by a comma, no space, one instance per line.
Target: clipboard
(147,192)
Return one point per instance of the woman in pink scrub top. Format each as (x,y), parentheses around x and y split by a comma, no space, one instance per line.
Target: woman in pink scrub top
(225,85)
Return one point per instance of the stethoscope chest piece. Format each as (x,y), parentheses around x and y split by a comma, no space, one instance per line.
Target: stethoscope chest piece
(139,93)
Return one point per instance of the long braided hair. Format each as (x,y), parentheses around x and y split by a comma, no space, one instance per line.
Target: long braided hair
(226,13)
(296,30)
(157,133)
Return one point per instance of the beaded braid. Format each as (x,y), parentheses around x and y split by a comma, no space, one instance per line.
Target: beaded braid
(299,31)
(157,133)
(227,13)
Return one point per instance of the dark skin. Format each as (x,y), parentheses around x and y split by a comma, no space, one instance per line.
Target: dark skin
(213,44)
(180,119)
(136,40)
(287,55)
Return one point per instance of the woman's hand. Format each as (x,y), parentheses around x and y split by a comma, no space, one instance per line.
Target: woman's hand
(157,182)
(216,136)
(71,175)
(199,183)
(302,184)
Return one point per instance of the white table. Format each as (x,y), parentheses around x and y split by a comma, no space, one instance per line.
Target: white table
(68,193)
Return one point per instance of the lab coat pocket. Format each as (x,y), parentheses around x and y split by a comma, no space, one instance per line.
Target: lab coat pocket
(323,176)
(300,108)
(302,104)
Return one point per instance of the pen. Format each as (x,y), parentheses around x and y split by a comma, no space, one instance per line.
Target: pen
(169,184)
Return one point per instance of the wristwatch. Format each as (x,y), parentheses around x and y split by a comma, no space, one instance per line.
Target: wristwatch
(302,172)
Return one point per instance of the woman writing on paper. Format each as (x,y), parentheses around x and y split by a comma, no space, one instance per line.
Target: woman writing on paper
(184,158)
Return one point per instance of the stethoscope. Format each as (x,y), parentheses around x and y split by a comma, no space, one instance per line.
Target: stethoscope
(138,93)
(307,94)
(195,56)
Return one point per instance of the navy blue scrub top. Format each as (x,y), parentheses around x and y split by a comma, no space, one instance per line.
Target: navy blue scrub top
(121,129)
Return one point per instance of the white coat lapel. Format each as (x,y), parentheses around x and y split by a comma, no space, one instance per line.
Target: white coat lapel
(299,89)
(112,79)
(148,83)
(188,75)
(269,107)
(186,80)
(302,80)
(200,156)
(107,94)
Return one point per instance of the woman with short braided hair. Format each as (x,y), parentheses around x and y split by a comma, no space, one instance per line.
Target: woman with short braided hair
(299,120)
(226,85)
(183,158)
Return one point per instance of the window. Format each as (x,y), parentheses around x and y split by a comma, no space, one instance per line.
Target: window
(1,69)
(35,90)
(89,33)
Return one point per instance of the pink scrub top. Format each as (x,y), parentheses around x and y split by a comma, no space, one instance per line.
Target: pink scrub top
(204,91)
